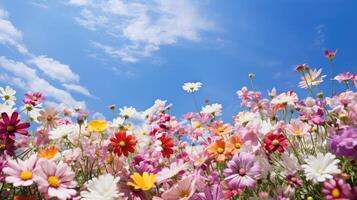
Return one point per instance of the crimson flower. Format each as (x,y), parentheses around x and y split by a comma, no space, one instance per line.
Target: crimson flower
(11,125)
(122,143)
(33,98)
(167,145)
(330,55)
(275,142)
(7,146)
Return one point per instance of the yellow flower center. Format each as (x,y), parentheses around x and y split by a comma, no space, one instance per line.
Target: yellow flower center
(237,145)
(2,146)
(53,181)
(10,128)
(6,97)
(34,98)
(122,143)
(25,175)
(220,150)
(184,193)
(335,192)
(297,132)
(221,129)
(275,142)
(197,125)
(310,198)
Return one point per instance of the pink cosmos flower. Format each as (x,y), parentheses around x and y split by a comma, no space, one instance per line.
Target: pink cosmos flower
(330,55)
(183,190)
(346,76)
(297,128)
(20,173)
(336,189)
(33,98)
(312,77)
(55,180)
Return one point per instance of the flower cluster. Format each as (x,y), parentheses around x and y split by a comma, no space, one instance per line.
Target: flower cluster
(279,146)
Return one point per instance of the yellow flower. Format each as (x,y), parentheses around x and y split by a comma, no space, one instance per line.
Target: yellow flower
(144,182)
(97,125)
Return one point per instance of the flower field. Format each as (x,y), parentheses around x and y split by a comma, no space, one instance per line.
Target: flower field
(280,146)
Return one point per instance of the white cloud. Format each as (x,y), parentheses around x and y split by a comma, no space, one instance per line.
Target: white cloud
(54,69)
(80,2)
(27,79)
(143,26)
(77,88)
(9,35)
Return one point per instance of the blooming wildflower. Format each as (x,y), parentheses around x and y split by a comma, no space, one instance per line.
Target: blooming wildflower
(8,95)
(20,173)
(312,77)
(144,182)
(234,144)
(174,169)
(285,99)
(97,126)
(297,128)
(192,87)
(102,188)
(55,180)
(321,167)
(33,98)
(167,145)
(41,137)
(48,117)
(127,112)
(330,55)
(344,77)
(211,193)
(62,131)
(213,109)
(183,190)
(242,171)
(344,143)
(337,189)
(118,122)
(218,150)
(48,152)
(301,67)
(122,143)
(7,146)
(275,142)
(9,125)
(220,128)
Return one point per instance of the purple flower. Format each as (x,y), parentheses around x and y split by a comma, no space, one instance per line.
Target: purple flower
(336,189)
(210,193)
(242,171)
(344,142)
(33,98)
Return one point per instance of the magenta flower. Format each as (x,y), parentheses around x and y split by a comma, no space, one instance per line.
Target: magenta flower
(330,55)
(55,180)
(242,171)
(344,142)
(20,173)
(33,98)
(11,125)
(210,193)
(336,189)
(7,146)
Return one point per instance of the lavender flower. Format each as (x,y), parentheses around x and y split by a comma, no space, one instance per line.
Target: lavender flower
(344,143)
(242,171)
(210,193)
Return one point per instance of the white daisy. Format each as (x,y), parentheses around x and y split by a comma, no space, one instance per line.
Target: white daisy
(8,95)
(62,131)
(117,122)
(321,167)
(214,109)
(32,112)
(102,188)
(127,112)
(312,77)
(171,171)
(192,87)
(6,108)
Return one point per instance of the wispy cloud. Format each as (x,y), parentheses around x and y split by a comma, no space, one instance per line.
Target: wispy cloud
(26,77)
(142,26)
(320,35)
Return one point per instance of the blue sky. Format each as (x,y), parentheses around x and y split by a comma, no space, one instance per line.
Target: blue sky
(95,53)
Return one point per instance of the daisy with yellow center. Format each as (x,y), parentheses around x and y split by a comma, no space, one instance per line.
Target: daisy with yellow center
(219,150)
(97,126)
(49,152)
(144,182)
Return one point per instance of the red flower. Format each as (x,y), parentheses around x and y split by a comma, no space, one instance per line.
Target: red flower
(275,142)
(11,125)
(123,143)
(167,145)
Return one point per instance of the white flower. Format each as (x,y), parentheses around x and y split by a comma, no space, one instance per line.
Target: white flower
(6,108)
(214,109)
(174,169)
(321,168)
(102,188)
(62,131)
(117,122)
(312,77)
(32,112)
(8,95)
(127,112)
(192,87)
(244,117)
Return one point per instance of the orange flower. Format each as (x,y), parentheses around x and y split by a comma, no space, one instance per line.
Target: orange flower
(234,143)
(219,128)
(218,150)
(48,152)
(23,197)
